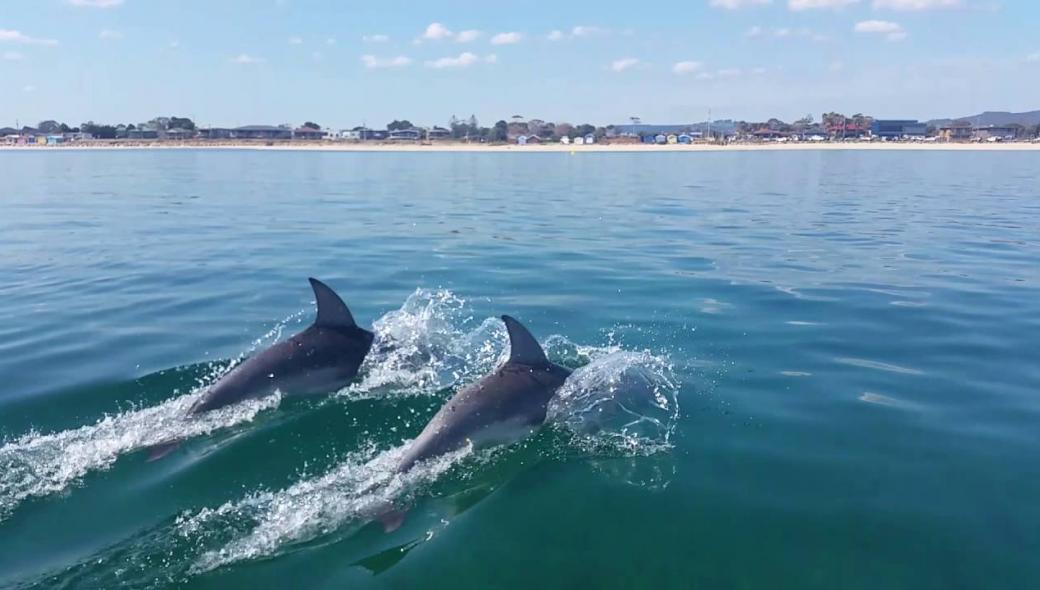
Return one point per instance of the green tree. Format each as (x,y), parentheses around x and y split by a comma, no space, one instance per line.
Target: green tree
(49,126)
(396,125)
(311,125)
(500,132)
(182,123)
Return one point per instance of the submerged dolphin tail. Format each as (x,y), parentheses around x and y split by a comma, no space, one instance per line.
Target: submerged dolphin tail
(523,348)
(332,312)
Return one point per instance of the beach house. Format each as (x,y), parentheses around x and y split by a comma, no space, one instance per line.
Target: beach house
(898,129)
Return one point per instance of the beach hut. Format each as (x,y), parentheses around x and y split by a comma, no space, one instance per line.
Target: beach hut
(579,140)
(565,140)
(685,139)
(590,139)
(521,140)
(660,138)
(673,138)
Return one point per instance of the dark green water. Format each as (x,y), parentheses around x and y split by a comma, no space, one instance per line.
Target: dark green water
(844,347)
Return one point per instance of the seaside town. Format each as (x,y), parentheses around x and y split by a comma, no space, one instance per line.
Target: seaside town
(831,127)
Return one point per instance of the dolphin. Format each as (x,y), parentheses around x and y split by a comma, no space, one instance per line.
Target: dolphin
(320,359)
(501,408)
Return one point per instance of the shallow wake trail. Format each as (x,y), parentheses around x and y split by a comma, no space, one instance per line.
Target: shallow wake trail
(358,490)
(38,465)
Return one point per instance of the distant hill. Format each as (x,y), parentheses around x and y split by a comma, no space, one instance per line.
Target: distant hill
(994,118)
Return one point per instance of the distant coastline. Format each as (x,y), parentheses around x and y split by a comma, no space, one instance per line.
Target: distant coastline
(324,146)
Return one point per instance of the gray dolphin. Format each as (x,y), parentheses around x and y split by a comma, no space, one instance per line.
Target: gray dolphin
(501,408)
(320,359)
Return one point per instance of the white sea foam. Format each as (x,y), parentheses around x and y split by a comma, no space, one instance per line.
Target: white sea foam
(361,488)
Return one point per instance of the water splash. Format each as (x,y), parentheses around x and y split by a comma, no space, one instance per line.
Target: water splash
(37,465)
(357,491)
(426,346)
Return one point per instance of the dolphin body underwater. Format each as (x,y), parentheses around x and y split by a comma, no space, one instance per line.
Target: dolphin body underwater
(503,407)
(320,359)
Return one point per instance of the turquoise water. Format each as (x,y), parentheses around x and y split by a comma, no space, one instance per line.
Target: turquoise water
(843,347)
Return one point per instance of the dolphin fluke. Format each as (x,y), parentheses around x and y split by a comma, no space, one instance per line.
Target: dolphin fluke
(332,312)
(523,348)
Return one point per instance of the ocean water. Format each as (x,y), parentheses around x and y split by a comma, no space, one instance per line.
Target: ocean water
(821,369)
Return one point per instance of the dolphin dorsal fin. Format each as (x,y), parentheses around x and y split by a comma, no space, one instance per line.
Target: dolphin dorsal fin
(523,348)
(332,312)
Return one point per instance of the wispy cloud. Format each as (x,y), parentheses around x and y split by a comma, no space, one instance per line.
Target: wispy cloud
(13,56)
(463,60)
(892,31)
(11,36)
(110,35)
(28,88)
(95,3)
(737,4)
(375,63)
(295,41)
(917,5)
(798,5)
(625,63)
(175,44)
(436,32)
(577,32)
(330,41)
(687,67)
(377,38)
(723,73)
(468,36)
(758,32)
(246,59)
(507,38)
(1033,57)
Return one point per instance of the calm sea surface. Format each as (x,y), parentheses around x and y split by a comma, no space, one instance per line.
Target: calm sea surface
(842,349)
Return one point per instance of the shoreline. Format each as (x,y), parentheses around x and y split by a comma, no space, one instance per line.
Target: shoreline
(539,148)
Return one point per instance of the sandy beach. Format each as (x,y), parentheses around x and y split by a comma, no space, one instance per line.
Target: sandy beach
(512,148)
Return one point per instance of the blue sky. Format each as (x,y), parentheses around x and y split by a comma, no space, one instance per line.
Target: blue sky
(232,62)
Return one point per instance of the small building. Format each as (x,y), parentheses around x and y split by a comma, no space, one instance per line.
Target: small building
(898,129)
(565,140)
(521,140)
(180,134)
(672,139)
(590,139)
(308,133)
(438,133)
(994,133)
(961,131)
(142,133)
(684,139)
(579,140)
(55,139)
(412,134)
(661,139)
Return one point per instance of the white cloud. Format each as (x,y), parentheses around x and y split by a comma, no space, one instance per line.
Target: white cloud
(13,56)
(892,31)
(9,36)
(836,66)
(377,38)
(736,4)
(728,73)
(813,4)
(245,58)
(507,38)
(916,5)
(373,63)
(330,41)
(754,32)
(29,88)
(625,63)
(175,44)
(587,31)
(436,32)
(687,67)
(725,73)
(468,36)
(463,60)
(555,35)
(759,71)
(317,56)
(1033,57)
(295,41)
(95,3)
(110,35)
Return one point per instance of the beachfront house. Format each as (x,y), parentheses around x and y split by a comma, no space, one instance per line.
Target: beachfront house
(994,133)
(438,133)
(308,133)
(957,131)
(898,129)
(412,134)
(266,132)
